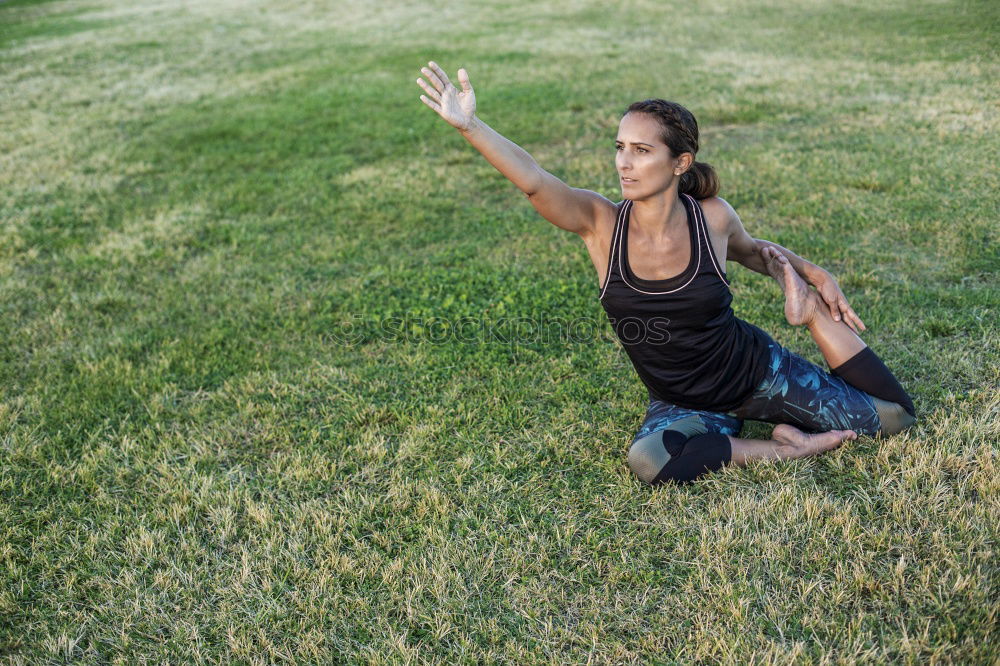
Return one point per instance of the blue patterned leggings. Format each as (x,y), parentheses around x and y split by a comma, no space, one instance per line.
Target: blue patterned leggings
(793,391)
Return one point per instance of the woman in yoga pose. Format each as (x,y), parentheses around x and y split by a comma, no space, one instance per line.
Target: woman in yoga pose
(660,256)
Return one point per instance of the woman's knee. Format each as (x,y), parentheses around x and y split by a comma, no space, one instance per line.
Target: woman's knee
(670,456)
(648,456)
(893,416)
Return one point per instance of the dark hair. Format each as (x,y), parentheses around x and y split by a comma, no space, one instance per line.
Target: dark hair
(680,133)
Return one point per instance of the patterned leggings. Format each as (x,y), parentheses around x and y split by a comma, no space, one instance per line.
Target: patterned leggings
(793,391)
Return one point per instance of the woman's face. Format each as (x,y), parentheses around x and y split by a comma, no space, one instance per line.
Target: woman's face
(644,163)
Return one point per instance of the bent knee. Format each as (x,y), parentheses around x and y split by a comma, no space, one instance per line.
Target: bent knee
(893,416)
(648,456)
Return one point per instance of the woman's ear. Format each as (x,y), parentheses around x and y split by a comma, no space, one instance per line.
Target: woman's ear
(684,162)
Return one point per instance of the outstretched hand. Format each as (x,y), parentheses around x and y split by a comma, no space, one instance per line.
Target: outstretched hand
(457,107)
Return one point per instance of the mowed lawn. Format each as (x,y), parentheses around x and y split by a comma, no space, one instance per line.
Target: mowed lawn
(288,373)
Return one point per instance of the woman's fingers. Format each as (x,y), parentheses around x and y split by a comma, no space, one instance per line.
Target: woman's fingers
(433,78)
(431,103)
(840,310)
(852,316)
(831,302)
(844,314)
(433,94)
(837,304)
(463,78)
(440,73)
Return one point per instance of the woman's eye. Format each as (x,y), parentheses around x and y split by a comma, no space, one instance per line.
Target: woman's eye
(642,150)
(617,147)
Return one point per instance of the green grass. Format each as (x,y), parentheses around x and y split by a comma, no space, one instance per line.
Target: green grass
(198,204)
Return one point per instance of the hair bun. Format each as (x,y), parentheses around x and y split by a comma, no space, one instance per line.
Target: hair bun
(700,181)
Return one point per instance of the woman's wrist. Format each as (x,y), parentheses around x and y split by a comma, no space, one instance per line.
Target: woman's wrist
(812,273)
(473,125)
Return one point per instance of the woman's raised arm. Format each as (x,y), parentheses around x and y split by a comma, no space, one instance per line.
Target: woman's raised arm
(566,207)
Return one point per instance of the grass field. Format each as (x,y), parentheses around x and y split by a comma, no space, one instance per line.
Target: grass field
(231,429)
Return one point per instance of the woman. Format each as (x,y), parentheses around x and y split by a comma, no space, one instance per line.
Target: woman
(660,255)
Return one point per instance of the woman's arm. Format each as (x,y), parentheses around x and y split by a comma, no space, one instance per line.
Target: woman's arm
(566,207)
(752,252)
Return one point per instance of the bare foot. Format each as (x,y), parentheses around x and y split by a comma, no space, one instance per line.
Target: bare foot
(800,303)
(800,445)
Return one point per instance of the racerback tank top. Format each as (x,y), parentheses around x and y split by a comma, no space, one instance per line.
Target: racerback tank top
(680,333)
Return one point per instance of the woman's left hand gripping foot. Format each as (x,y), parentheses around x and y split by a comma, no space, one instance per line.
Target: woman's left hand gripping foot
(829,291)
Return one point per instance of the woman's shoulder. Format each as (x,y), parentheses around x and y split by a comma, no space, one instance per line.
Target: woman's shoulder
(719,215)
(606,212)
(606,218)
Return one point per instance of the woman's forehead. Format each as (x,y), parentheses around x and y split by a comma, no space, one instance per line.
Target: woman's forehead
(640,128)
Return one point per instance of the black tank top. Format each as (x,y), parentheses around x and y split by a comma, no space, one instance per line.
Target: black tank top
(680,333)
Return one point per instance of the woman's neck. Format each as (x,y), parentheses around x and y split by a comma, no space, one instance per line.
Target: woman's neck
(661,216)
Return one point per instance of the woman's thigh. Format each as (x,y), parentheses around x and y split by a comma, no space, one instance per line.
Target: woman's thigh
(796,392)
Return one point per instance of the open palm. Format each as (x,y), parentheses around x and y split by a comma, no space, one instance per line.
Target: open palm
(457,107)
